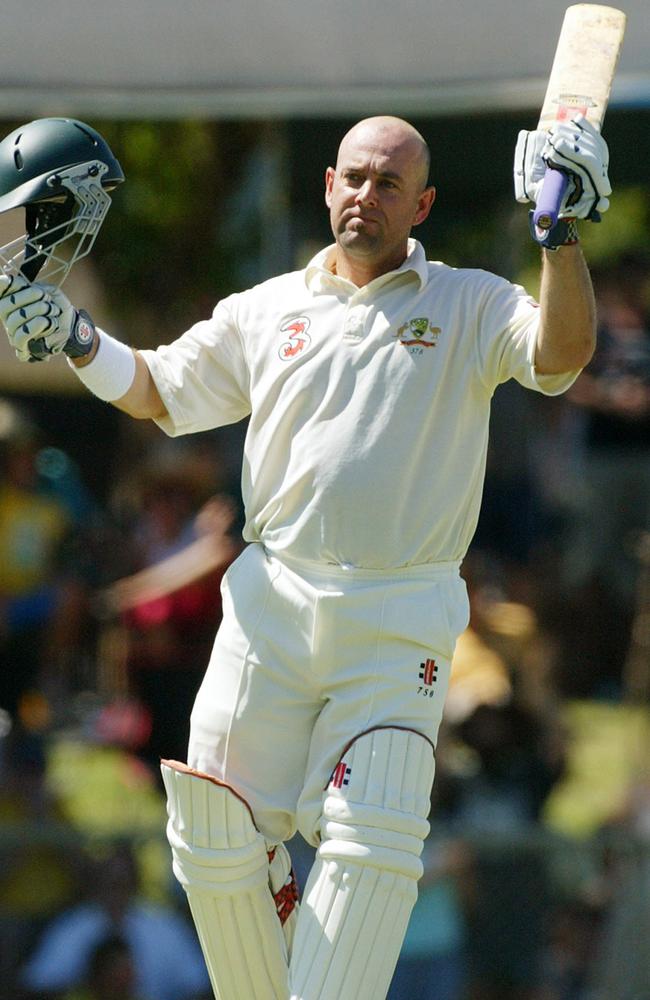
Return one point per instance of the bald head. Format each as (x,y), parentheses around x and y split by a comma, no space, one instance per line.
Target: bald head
(376,193)
(394,135)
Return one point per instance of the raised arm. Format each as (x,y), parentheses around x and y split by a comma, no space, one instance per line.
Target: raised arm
(567,335)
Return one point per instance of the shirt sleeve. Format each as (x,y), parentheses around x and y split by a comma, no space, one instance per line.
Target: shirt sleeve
(203,376)
(509,319)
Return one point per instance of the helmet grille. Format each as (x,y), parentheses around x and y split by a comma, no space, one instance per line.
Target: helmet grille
(62,231)
(45,224)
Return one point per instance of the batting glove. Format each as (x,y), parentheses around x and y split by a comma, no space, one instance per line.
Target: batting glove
(576,148)
(40,321)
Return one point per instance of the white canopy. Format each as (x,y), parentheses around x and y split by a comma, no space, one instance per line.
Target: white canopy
(287,58)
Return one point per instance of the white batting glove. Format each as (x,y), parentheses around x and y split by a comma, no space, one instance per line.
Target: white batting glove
(40,321)
(576,148)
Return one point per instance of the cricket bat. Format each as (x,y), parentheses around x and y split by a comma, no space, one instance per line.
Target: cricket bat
(580,83)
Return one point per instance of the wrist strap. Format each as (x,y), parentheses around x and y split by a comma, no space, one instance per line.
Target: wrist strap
(82,335)
(571,233)
(564,233)
(111,372)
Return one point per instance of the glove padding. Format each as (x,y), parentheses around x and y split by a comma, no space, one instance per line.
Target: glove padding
(40,321)
(578,150)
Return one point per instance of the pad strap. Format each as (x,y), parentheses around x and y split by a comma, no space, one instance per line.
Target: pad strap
(284,885)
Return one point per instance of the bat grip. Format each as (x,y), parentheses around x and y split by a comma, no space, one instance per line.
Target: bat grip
(550,198)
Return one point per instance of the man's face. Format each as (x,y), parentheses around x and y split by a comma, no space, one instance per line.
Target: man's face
(377,193)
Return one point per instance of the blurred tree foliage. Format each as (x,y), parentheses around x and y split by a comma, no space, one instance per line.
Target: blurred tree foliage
(623,231)
(160,254)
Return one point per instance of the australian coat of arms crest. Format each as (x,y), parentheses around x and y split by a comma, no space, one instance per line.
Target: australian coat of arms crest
(418,331)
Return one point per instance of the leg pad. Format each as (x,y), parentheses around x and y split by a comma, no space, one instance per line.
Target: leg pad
(221,860)
(362,888)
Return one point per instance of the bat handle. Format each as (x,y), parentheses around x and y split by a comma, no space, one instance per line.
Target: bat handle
(550,198)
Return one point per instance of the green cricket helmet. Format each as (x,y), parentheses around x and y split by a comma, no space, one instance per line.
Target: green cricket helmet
(60,171)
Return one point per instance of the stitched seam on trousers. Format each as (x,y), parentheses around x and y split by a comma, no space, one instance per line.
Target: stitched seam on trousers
(380,632)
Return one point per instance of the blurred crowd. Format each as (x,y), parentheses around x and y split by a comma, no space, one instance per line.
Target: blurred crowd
(108,609)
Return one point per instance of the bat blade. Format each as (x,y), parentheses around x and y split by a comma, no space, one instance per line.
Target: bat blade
(580,82)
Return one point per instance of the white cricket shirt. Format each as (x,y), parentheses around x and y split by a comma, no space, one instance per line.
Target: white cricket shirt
(369,407)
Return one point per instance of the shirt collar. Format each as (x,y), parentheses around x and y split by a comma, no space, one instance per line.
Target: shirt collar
(318,272)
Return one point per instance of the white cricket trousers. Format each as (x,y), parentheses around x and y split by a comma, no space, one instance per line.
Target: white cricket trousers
(309,656)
